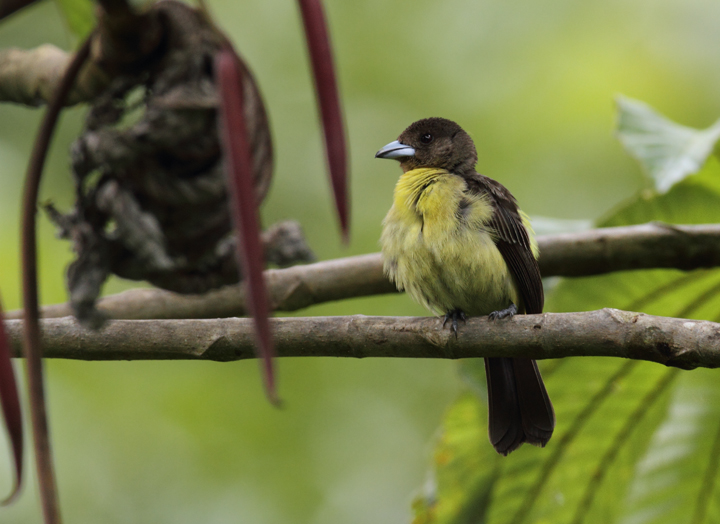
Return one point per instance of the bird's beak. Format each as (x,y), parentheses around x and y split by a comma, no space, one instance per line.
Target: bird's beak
(395,150)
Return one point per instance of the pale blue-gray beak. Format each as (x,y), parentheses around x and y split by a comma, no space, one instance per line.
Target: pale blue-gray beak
(395,150)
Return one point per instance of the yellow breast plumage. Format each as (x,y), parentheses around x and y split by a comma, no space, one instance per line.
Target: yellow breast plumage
(438,246)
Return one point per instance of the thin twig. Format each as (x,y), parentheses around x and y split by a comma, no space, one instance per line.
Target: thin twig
(686,344)
(33,350)
(11,411)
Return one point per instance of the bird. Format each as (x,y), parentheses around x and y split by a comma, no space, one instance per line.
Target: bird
(457,243)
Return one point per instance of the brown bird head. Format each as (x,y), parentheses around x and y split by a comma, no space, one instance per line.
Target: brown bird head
(433,142)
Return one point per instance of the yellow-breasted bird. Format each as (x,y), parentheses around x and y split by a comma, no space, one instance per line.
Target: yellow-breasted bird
(457,243)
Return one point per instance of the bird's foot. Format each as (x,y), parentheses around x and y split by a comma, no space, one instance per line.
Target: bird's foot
(504,313)
(454,316)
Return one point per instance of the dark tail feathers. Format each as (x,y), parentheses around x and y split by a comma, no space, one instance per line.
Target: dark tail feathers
(520,409)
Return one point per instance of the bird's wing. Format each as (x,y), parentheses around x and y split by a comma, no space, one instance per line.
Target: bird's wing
(512,240)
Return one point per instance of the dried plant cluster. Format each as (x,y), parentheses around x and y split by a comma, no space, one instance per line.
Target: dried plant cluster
(151,192)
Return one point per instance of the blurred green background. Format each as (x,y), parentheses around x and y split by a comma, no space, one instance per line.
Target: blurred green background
(533,82)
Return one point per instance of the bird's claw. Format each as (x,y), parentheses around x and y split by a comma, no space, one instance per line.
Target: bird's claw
(454,316)
(508,312)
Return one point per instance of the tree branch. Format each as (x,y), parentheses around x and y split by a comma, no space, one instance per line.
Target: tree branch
(686,344)
(646,246)
(124,41)
(30,76)
(592,252)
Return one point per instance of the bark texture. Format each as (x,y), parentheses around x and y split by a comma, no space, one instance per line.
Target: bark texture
(681,343)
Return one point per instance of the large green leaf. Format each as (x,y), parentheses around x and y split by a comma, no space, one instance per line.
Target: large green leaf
(676,478)
(465,468)
(601,407)
(696,294)
(79,15)
(606,412)
(673,293)
(668,152)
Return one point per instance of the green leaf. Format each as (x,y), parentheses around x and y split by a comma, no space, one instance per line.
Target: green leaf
(688,419)
(696,294)
(668,152)
(601,415)
(79,16)
(604,414)
(465,468)
(676,478)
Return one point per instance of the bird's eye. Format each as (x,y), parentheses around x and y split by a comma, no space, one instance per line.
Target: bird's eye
(426,138)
